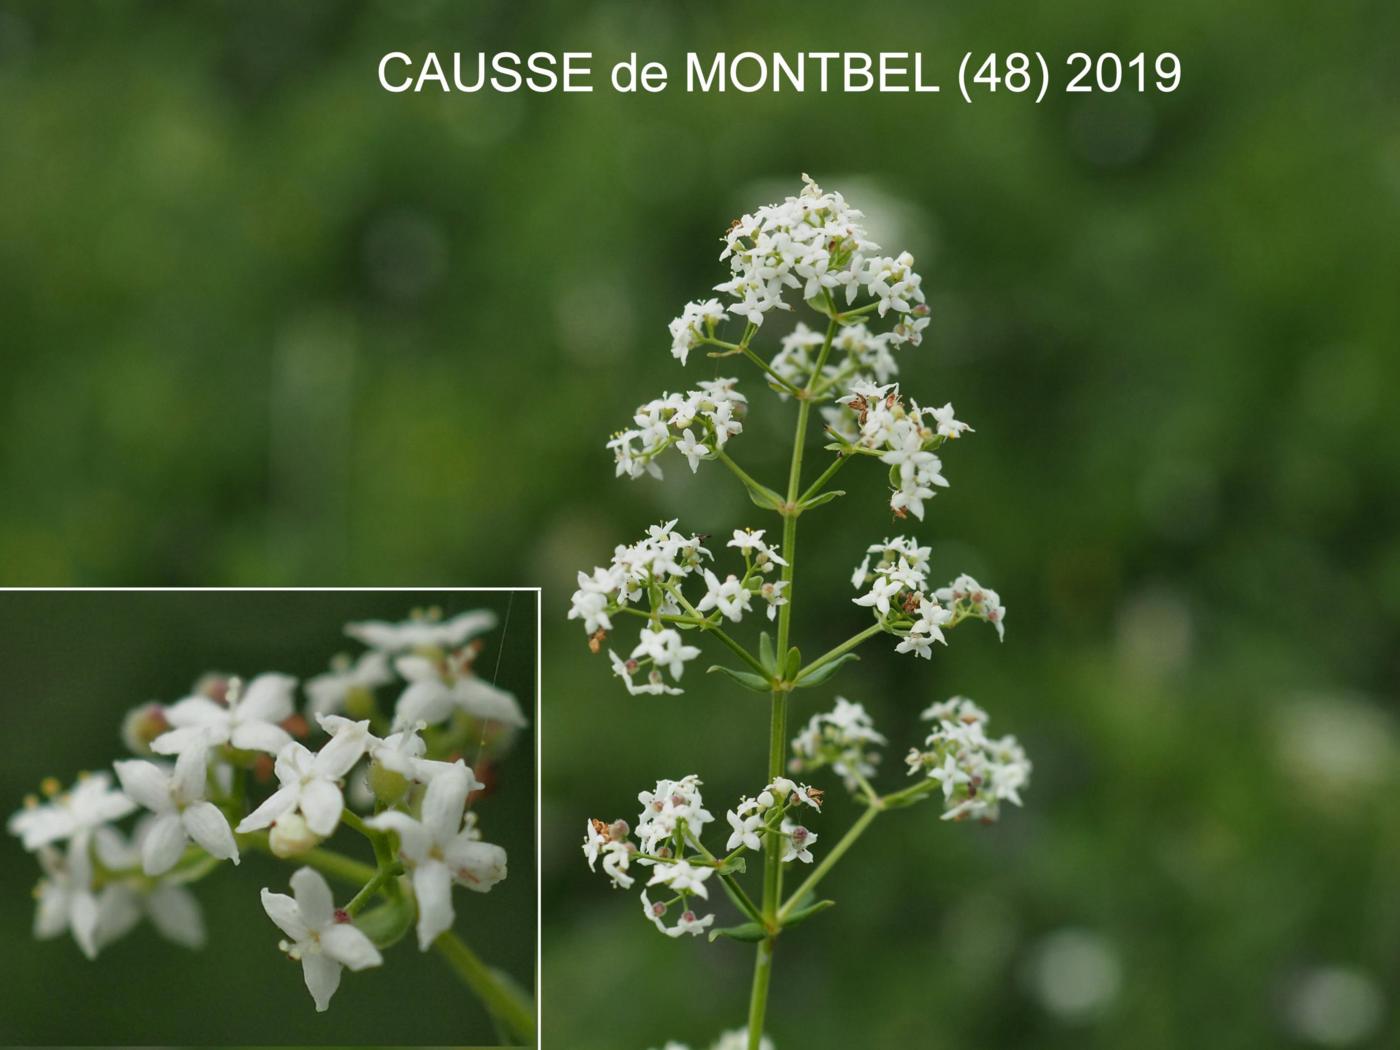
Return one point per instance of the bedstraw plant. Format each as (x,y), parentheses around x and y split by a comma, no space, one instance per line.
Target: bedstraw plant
(673,590)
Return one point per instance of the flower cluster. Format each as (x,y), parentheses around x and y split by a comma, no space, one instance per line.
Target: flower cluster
(199,758)
(647,579)
(813,244)
(876,421)
(843,738)
(697,424)
(667,841)
(899,596)
(975,772)
(857,356)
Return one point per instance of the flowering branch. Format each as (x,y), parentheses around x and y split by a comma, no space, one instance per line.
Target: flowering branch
(813,246)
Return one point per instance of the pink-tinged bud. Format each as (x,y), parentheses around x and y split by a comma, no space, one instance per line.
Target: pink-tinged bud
(215,687)
(142,725)
(658,909)
(342,916)
(618,830)
(799,836)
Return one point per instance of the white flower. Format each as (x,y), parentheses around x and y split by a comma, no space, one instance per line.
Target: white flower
(310,782)
(664,810)
(65,899)
(172,909)
(329,692)
(74,814)
(882,589)
(799,839)
(686,329)
(731,597)
(841,738)
(425,631)
(694,451)
(745,831)
(683,877)
(248,721)
(438,687)
(440,852)
(323,942)
(182,813)
(688,922)
(949,775)
(666,650)
(947,425)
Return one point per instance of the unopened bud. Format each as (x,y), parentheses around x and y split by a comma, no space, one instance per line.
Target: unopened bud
(618,830)
(387,785)
(359,703)
(141,726)
(291,837)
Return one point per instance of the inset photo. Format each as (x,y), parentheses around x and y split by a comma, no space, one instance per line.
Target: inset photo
(269,817)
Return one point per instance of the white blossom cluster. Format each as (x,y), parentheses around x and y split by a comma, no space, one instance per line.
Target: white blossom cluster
(648,578)
(667,842)
(815,245)
(876,420)
(975,772)
(198,757)
(843,738)
(898,594)
(697,424)
(696,323)
(857,356)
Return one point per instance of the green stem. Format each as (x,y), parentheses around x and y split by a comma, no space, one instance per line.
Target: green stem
(777,723)
(323,860)
(829,861)
(384,877)
(840,650)
(513,1010)
(751,483)
(719,633)
(826,476)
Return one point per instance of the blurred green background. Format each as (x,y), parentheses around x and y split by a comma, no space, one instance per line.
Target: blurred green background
(75,662)
(264,323)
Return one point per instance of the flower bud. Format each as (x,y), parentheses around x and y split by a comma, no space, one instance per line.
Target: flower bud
(387,785)
(141,726)
(359,703)
(291,837)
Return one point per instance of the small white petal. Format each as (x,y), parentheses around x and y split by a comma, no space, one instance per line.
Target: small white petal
(282,910)
(176,913)
(164,844)
(267,698)
(145,783)
(209,827)
(346,944)
(313,895)
(322,975)
(414,841)
(444,802)
(260,736)
(432,883)
(321,805)
(82,918)
(276,804)
(342,751)
(188,782)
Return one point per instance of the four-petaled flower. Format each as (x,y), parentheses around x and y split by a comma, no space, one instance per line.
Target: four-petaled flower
(310,782)
(248,720)
(323,943)
(182,813)
(440,851)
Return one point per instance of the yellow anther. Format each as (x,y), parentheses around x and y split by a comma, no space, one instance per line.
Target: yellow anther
(50,786)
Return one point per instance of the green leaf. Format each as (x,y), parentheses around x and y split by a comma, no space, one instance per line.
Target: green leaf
(739,865)
(825,671)
(749,931)
(805,913)
(747,679)
(765,652)
(738,901)
(386,924)
(793,665)
(824,497)
(765,498)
